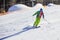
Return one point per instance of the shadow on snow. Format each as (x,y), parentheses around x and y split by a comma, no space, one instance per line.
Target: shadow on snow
(23,30)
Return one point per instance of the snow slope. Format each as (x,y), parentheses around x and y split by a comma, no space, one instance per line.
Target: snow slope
(17,7)
(16,21)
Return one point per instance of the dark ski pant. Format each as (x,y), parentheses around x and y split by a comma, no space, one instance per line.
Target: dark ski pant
(37,21)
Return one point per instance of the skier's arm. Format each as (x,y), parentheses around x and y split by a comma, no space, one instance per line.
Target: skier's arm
(35,13)
(43,15)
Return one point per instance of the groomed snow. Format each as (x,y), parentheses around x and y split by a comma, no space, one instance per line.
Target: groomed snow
(15,21)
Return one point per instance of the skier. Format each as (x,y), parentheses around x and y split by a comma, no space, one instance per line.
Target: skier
(38,14)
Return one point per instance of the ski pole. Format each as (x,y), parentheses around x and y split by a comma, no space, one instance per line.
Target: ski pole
(47,21)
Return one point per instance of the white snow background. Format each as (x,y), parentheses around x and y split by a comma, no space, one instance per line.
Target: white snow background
(15,21)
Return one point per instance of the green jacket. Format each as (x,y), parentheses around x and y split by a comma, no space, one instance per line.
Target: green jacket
(37,13)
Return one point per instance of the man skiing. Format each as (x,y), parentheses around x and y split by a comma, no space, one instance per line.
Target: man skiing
(38,14)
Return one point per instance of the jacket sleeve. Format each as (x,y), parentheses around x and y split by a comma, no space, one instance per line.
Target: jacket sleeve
(35,13)
(43,15)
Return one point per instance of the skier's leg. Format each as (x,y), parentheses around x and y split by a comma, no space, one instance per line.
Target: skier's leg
(35,22)
(38,21)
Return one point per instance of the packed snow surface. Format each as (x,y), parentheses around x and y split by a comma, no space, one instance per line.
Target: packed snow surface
(15,21)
